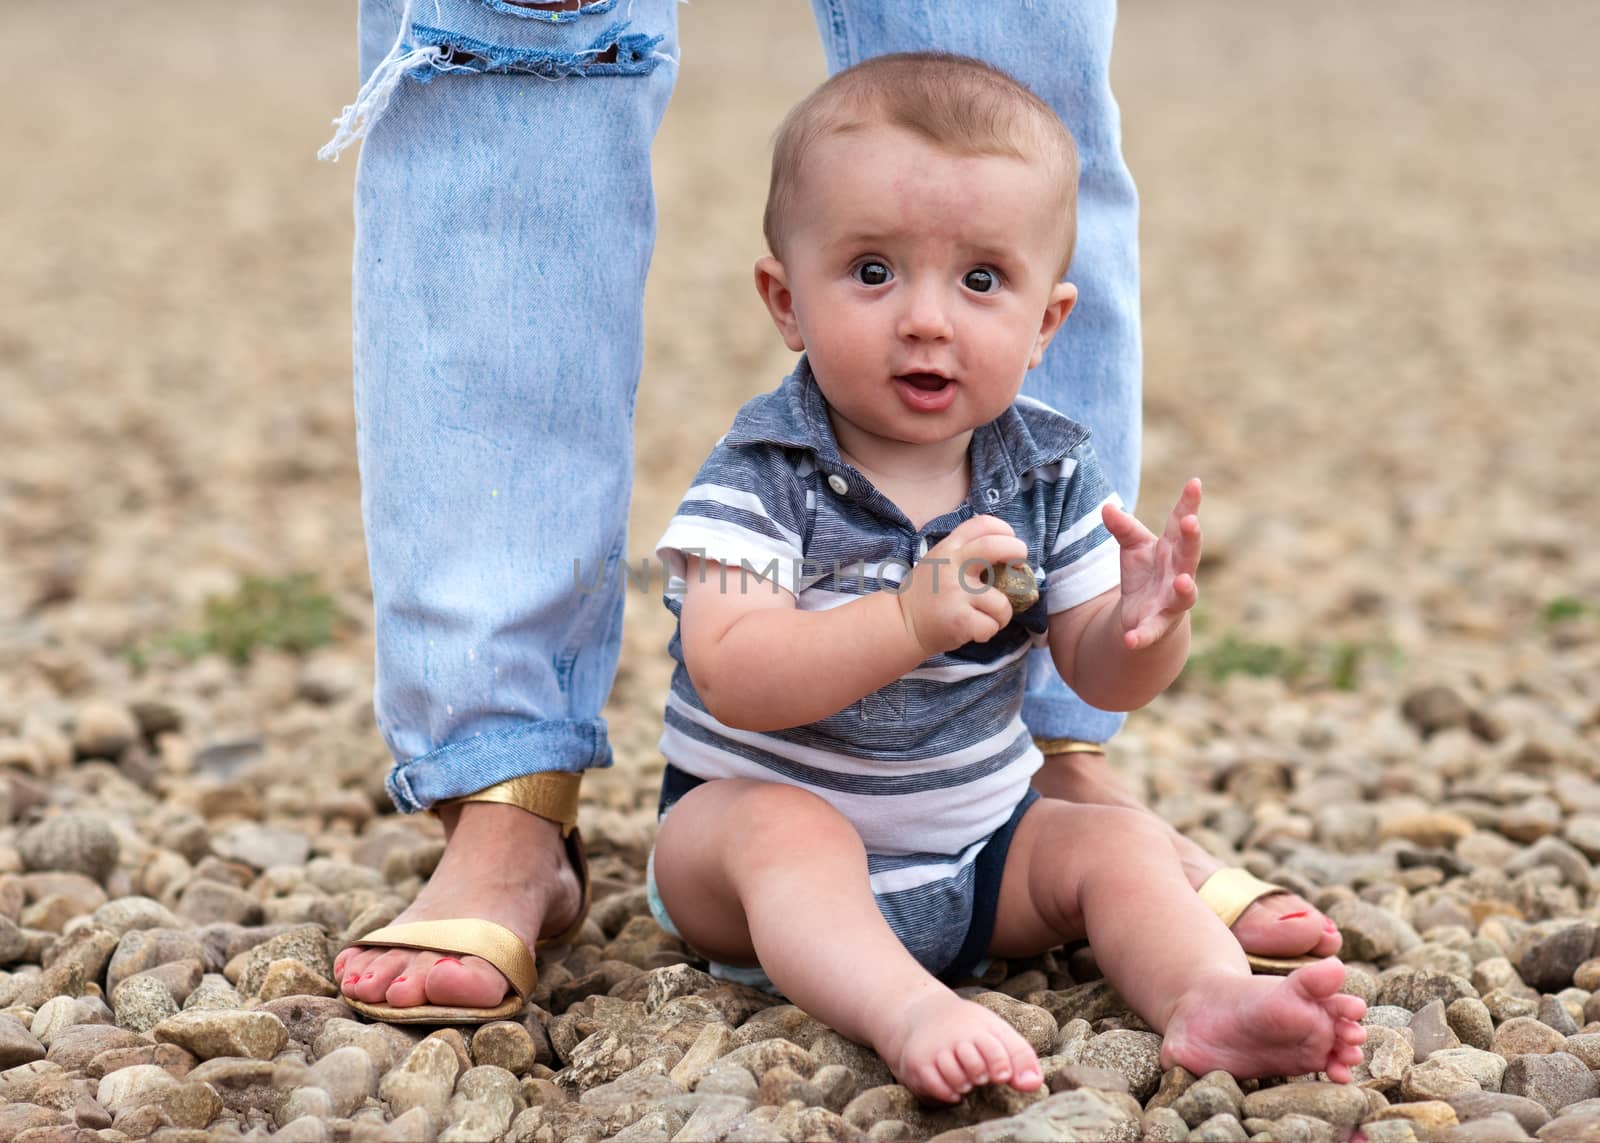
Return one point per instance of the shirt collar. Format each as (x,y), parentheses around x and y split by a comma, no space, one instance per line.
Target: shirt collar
(1028,435)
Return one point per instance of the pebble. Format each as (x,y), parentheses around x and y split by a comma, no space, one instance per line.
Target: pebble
(1133,1055)
(1555,1080)
(1523,1035)
(71,842)
(1341,1105)
(104,730)
(18,1044)
(213,1032)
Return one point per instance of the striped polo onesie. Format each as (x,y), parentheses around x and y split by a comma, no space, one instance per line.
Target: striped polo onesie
(930,766)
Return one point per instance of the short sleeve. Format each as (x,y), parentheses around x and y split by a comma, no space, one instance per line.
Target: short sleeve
(746,508)
(1083,559)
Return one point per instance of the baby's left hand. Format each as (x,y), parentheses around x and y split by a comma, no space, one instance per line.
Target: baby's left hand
(1158,586)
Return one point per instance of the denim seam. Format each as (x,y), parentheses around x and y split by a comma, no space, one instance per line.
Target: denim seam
(567,660)
(523,12)
(837,31)
(586,732)
(635,55)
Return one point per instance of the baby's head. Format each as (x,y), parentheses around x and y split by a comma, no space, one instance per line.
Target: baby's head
(952,103)
(920,218)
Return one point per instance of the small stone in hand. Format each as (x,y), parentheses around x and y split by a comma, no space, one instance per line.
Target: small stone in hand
(1017,584)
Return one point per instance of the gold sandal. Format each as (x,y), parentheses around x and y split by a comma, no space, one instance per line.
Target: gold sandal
(553,796)
(1228,892)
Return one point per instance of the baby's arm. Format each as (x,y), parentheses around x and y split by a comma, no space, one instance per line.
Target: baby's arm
(1125,646)
(759,663)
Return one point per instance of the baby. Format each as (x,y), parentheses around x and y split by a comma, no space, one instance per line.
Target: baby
(846,803)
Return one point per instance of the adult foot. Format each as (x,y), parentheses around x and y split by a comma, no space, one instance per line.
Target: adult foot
(1277,925)
(1254,1026)
(942,1046)
(500,864)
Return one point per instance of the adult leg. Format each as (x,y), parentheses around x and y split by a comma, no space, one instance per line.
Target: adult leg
(1061,49)
(1105,873)
(504,223)
(761,871)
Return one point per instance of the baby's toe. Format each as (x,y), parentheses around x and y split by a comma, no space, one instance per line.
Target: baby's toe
(1346,1007)
(1347,1054)
(1025,1073)
(995,1058)
(973,1065)
(953,1074)
(1349,1032)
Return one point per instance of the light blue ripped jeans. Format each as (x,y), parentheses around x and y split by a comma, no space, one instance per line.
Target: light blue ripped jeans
(504,223)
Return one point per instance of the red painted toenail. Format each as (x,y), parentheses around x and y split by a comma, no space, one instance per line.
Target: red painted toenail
(450,959)
(351,979)
(399,980)
(1294,916)
(367,976)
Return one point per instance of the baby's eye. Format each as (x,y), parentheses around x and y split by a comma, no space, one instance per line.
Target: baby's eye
(981,281)
(872,273)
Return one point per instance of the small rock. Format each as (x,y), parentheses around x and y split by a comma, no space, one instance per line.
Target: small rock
(1434,708)
(104,730)
(1371,933)
(1411,988)
(1222,1128)
(1338,1104)
(142,1002)
(132,1086)
(214,991)
(210,1033)
(125,914)
(1469,1019)
(1523,1035)
(262,847)
(1430,1031)
(18,1045)
(1429,1115)
(72,842)
(287,977)
(713,1041)
(1531,1114)
(674,981)
(1034,1024)
(1436,1079)
(1555,1080)
(505,1044)
(1486,1068)
(1134,1055)
(1386,1056)
(1548,964)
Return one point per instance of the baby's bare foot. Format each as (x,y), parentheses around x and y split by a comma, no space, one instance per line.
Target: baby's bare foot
(1253,1026)
(943,1046)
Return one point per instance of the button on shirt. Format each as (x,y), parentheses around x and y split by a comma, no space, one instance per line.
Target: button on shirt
(938,759)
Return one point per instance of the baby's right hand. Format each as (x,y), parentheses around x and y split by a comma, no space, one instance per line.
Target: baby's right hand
(944,602)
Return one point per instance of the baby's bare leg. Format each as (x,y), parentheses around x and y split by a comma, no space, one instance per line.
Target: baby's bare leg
(756,870)
(1108,874)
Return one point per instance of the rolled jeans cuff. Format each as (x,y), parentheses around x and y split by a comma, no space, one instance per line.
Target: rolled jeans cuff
(465,767)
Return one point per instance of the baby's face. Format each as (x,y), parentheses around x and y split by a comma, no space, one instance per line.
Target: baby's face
(923,284)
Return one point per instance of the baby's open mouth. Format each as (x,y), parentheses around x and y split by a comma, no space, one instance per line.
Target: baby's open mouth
(927,382)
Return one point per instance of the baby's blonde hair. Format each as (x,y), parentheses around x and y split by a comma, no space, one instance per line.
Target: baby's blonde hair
(956,103)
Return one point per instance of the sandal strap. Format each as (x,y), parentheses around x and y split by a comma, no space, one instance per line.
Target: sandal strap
(1231,890)
(1048,746)
(552,795)
(471,936)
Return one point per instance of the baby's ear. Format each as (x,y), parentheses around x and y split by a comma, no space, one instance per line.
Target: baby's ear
(772,283)
(1062,298)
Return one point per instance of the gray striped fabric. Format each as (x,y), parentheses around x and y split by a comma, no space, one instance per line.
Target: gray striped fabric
(929,766)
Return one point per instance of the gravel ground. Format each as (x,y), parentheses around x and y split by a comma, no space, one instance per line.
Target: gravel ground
(1371,254)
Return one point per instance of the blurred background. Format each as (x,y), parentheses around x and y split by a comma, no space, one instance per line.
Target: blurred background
(1372,315)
